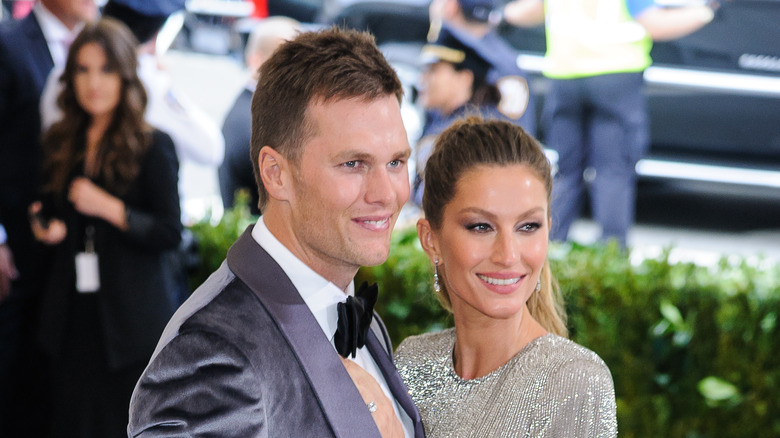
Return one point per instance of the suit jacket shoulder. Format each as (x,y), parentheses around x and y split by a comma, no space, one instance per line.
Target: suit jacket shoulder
(25,62)
(23,42)
(242,356)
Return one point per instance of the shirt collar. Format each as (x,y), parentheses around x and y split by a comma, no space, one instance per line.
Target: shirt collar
(51,26)
(319,294)
(251,85)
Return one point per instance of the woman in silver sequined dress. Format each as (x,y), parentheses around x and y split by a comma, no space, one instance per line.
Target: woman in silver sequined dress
(506,369)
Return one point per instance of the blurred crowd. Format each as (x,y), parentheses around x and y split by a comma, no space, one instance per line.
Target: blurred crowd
(93,132)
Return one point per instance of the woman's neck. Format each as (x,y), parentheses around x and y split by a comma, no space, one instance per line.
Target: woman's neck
(459,99)
(95,132)
(100,123)
(482,345)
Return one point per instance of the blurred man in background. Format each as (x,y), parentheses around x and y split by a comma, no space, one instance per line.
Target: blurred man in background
(476,17)
(595,113)
(236,170)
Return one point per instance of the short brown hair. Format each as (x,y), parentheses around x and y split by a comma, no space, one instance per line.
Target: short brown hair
(473,142)
(329,65)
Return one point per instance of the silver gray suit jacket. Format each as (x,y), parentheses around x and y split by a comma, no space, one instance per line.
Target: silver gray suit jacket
(244,357)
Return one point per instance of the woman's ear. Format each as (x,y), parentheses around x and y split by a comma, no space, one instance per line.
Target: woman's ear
(428,239)
(273,168)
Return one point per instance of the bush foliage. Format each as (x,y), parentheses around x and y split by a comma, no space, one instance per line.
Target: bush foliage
(692,349)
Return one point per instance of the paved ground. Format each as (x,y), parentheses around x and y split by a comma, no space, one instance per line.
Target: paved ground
(700,228)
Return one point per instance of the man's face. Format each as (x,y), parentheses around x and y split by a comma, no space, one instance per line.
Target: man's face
(349,185)
(72,12)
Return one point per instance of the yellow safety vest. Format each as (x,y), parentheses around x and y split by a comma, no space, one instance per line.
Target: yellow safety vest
(593,37)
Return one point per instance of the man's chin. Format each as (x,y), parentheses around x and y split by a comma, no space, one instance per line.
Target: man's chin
(374,258)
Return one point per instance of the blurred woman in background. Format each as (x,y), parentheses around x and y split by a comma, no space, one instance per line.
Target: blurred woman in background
(506,369)
(110,209)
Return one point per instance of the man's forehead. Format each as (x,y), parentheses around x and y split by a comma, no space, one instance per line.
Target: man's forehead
(353,141)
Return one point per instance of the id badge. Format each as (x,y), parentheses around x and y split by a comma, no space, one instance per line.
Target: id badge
(87,273)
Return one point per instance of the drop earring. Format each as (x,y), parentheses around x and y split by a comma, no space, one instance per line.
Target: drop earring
(436,286)
(538,285)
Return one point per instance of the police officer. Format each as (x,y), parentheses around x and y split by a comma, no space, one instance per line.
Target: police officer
(467,75)
(595,112)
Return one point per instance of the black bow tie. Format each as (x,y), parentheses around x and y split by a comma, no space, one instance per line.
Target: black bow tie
(355,319)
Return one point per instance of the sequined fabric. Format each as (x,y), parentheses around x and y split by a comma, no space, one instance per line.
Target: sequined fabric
(552,388)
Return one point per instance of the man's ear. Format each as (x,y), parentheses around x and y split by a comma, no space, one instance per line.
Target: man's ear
(274,172)
(428,239)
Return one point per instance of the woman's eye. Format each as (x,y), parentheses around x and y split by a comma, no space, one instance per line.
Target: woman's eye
(531,226)
(479,227)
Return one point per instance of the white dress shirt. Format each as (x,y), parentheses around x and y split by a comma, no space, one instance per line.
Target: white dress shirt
(58,36)
(322,296)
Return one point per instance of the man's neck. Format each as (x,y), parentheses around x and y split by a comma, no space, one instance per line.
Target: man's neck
(59,14)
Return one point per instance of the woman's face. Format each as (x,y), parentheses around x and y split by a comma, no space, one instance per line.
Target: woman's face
(98,88)
(444,88)
(493,241)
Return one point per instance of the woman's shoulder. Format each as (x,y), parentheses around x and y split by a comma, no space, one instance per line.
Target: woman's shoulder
(161,144)
(161,138)
(427,344)
(578,390)
(567,361)
(567,352)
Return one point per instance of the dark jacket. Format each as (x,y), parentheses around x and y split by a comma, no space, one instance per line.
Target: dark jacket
(25,63)
(236,170)
(135,298)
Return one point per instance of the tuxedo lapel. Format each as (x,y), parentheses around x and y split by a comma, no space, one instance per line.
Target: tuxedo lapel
(394,382)
(339,398)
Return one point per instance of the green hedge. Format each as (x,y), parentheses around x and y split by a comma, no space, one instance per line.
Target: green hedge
(692,349)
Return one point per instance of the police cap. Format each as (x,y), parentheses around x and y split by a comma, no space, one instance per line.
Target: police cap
(458,49)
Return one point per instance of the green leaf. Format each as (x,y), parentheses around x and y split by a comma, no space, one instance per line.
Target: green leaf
(717,389)
(671,313)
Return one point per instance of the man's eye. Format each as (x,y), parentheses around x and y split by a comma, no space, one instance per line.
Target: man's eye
(353,163)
